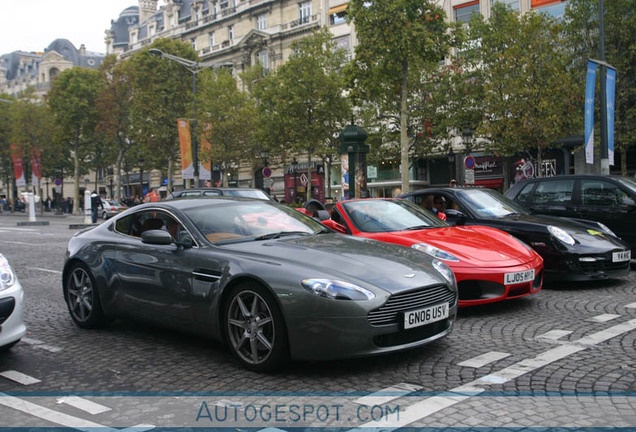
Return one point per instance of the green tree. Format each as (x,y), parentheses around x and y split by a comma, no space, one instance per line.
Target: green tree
(72,99)
(302,103)
(582,34)
(399,40)
(6,163)
(114,105)
(229,113)
(162,93)
(530,97)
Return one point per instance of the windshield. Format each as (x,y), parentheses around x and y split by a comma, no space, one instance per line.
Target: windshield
(489,204)
(241,221)
(377,215)
(249,193)
(629,183)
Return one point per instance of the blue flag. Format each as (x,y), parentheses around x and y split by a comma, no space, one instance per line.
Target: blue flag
(590,87)
(610,86)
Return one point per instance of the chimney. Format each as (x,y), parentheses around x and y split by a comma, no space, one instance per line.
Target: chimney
(147,8)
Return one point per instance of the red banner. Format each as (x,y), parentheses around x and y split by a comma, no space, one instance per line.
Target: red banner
(36,166)
(18,168)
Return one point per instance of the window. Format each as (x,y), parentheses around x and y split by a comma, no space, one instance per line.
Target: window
(555,192)
(465,11)
(337,15)
(512,4)
(524,195)
(304,12)
(601,193)
(152,30)
(263,58)
(212,38)
(230,32)
(193,41)
(261,22)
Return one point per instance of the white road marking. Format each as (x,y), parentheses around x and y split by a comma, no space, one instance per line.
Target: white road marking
(47,270)
(271,429)
(431,405)
(20,243)
(19,377)
(603,318)
(61,418)
(388,394)
(41,345)
(631,305)
(83,404)
(554,334)
(484,359)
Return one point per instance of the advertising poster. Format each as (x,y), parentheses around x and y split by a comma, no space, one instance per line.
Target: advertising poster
(187,170)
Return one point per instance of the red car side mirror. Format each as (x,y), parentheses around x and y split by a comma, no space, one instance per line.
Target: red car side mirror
(335,226)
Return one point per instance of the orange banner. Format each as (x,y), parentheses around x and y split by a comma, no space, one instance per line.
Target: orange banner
(187,169)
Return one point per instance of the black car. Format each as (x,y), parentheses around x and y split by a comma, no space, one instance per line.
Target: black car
(571,249)
(610,200)
(220,191)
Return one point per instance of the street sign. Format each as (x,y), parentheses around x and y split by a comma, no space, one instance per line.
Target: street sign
(469,175)
(267,172)
(469,162)
(58,181)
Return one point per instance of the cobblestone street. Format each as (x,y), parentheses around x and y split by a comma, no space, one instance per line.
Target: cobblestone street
(562,358)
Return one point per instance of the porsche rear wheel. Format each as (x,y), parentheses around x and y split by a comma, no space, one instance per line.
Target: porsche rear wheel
(255,329)
(82,298)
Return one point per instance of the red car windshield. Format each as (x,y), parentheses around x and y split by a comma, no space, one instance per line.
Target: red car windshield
(378,215)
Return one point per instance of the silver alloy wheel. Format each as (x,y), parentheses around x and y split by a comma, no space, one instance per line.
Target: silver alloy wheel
(80,294)
(250,326)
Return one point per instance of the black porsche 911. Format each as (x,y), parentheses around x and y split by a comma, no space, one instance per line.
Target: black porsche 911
(269,281)
(572,249)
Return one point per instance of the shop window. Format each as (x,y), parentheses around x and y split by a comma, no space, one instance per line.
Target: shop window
(465,11)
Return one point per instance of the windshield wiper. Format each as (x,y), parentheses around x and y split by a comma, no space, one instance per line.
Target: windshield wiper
(278,234)
(417,227)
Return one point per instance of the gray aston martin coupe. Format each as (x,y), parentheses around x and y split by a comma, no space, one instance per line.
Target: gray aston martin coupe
(269,281)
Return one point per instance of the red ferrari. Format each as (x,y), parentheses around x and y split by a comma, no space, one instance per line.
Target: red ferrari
(490,265)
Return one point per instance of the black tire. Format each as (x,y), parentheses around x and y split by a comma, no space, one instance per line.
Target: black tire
(82,298)
(104,215)
(7,347)
(254,328)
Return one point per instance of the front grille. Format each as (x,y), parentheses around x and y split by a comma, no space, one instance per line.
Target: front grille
(388,313)
(603,266)
(6,308)
(412,335)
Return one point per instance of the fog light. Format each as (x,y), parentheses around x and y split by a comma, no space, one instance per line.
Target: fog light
(587,259)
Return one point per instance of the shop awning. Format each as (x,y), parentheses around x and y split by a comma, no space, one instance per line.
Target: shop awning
(338,9)
(494,183)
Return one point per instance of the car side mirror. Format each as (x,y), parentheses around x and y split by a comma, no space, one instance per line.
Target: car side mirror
(455,217)
(185,243)
(335,226)
(156,237)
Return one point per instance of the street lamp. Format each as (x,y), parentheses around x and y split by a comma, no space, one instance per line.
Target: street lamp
(194,68)
(451,162)
(264,155)
(467,137)
(140,162)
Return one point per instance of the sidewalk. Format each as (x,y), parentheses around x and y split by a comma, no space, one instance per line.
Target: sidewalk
(23,218)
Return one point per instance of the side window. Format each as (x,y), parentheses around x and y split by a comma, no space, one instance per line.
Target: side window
(554,192)
(600,193)
(190,194)
(122,225)
(211,193)
(524,195)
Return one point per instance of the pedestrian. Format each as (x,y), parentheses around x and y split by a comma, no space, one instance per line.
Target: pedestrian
(152,196)
(453,183)
(96,203)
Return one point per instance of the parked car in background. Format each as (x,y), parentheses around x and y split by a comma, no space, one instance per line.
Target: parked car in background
(610,200)
(112,208)
(220,191)
(571,249)
(269,281)
(490,265)
(12,327)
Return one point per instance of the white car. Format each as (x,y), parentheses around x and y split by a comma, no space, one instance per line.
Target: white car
(12,327)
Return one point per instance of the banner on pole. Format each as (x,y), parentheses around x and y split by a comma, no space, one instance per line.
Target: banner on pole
(590,87)
(610,85)
(36,167)
(205,168)
(187,169)
(18,167)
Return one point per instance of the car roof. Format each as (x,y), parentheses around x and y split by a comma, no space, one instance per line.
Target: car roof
(573,176)
(182,203)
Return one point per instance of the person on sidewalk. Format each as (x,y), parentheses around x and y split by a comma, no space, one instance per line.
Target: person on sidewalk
(96,203)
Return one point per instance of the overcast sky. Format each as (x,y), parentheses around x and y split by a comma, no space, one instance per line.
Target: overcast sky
(31,25)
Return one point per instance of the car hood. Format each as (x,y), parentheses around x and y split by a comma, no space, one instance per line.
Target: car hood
(587,236)
(361,261)
(473,245)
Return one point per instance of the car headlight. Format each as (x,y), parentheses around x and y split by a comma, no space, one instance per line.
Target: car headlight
(606,229)
(435,252)
(7,277)
(561,235)
(446,271)
(335,289)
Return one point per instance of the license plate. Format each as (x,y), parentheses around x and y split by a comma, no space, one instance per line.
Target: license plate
(621,256)
(427,315)
(518,277)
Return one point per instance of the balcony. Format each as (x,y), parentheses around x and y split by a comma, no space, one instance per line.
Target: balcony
(300,22)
